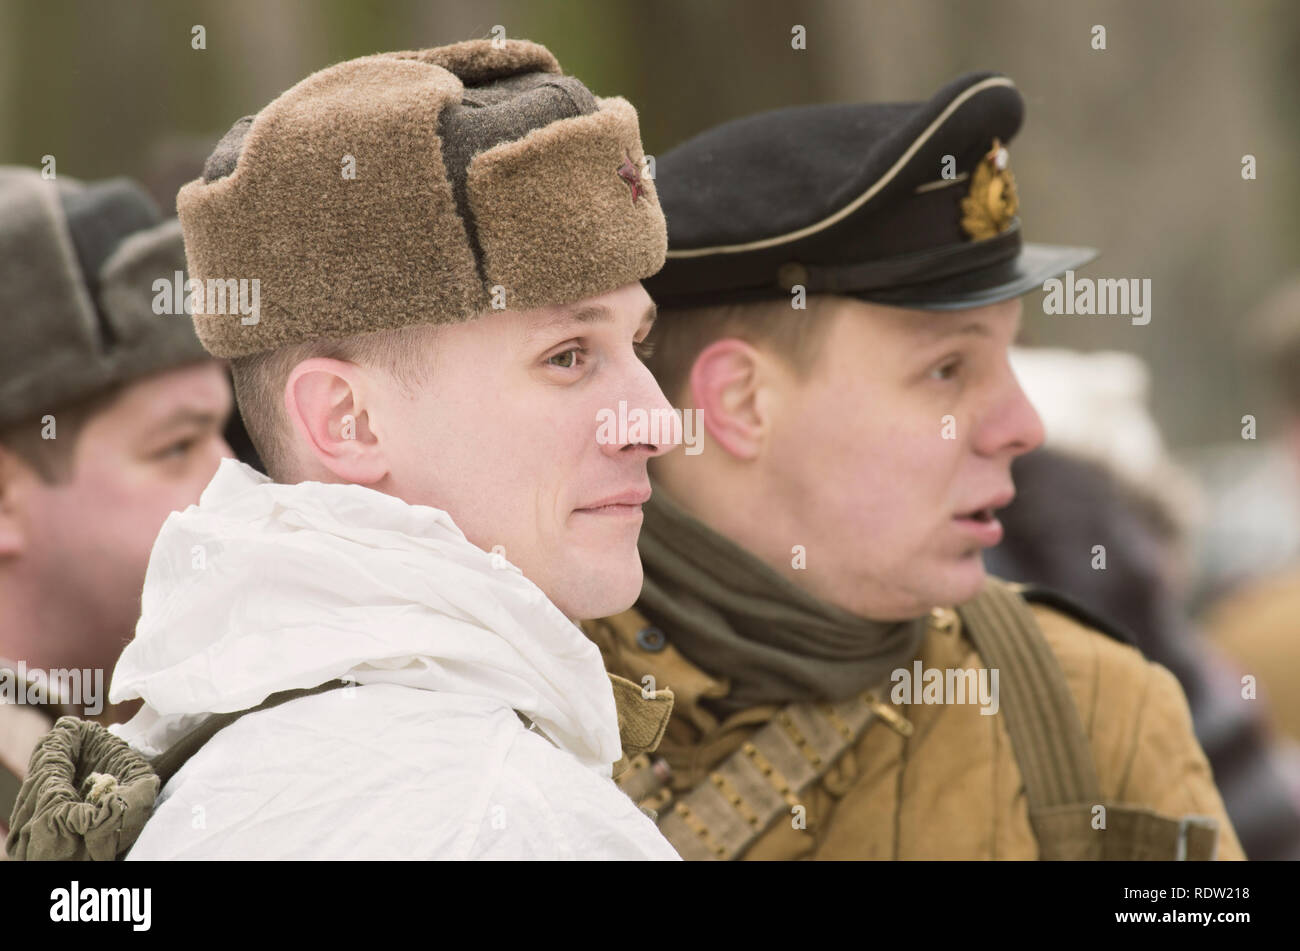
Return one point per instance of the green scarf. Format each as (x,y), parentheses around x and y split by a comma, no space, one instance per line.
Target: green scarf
(732,615)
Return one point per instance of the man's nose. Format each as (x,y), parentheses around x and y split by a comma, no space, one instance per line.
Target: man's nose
(643,420)
(1013,426)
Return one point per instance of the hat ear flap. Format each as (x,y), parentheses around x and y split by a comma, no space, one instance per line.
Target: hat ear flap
(481,61)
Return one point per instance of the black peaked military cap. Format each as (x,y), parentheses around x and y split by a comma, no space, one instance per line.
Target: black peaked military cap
(855,199)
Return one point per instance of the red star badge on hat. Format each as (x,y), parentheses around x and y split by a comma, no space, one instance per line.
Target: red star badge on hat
(631,174)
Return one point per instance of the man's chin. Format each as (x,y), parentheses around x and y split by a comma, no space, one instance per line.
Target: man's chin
(596,590)
(963,580)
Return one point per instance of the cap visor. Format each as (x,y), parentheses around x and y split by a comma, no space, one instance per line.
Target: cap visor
(1020,275)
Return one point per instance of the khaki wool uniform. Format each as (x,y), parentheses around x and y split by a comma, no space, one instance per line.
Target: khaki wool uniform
(953,788)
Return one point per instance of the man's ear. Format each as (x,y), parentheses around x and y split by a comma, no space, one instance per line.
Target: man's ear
(325,400)
(15,477)
(729,380)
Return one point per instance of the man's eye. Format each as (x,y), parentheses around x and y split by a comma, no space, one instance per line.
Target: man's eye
(177,449)
(644,350)
(566,360)
(946,371)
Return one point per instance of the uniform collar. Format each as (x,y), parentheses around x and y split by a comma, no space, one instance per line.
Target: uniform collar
(639,650)
(635,648)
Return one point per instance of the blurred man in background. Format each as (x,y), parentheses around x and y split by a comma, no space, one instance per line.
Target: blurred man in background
(110,418)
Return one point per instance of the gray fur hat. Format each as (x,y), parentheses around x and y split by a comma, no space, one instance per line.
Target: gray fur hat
(78,265)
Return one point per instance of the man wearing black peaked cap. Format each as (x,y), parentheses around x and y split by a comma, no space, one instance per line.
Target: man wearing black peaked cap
(841,289)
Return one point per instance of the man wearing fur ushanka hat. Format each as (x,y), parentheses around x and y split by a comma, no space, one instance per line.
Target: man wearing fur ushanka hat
(447,247)
(110,419)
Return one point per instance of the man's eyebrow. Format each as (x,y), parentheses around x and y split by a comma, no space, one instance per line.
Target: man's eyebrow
(187,417)
(590,314)
(940,332)
(977,328)
(583,315)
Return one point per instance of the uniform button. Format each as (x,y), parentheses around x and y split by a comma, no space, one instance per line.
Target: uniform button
(651,639)
(943,620)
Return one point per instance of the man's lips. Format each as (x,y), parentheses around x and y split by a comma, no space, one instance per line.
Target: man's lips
(984,510)
(980,521)
(628,502)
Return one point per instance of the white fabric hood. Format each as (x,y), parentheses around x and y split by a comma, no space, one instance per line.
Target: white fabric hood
(264,587)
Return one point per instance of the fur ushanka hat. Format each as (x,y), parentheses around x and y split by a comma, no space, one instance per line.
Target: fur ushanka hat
(420,187)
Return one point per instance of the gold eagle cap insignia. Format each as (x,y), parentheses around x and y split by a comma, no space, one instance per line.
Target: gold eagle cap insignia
(991,203)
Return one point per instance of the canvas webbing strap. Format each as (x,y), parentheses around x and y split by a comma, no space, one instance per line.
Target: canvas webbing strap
(175,756)
(178,754)
(1035,700)
(1053,754)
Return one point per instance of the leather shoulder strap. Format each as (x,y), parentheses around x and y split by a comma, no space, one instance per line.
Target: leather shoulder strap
(175,756)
